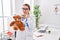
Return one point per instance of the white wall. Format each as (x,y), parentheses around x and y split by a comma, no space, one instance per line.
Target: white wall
(48,14)
(18,6)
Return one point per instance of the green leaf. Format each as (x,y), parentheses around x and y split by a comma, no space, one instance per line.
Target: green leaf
(37,13)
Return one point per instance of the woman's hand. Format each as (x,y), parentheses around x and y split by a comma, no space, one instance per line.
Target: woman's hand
(26,16)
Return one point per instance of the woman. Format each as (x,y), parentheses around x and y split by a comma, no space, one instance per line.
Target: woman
(29,21)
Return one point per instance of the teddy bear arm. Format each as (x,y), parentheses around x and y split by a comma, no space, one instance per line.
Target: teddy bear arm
(12,23)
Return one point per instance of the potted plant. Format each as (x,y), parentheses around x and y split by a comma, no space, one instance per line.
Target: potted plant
(37,14)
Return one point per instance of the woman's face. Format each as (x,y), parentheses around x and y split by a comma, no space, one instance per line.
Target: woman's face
(25,9)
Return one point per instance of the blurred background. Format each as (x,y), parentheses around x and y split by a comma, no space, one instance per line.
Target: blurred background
(49,15)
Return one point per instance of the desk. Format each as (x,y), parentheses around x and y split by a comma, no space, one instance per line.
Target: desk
(54,35)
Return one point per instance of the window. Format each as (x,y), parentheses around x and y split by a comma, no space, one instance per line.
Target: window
(1,25)
(6,10)
(1,20)
(7,7)
(0,9)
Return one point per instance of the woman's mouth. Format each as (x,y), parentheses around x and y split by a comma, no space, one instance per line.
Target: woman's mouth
(24,12)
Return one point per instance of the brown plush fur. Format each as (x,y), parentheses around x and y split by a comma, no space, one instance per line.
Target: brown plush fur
(17,24)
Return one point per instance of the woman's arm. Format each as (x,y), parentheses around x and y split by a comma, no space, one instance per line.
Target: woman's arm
(32,22)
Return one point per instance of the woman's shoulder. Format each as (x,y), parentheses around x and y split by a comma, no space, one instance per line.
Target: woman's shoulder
(32,15)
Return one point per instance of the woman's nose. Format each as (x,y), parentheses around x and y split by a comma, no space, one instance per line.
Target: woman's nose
(24,10)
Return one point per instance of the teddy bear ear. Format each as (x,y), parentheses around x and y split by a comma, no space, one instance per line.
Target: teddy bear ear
(17,16)
(14,17)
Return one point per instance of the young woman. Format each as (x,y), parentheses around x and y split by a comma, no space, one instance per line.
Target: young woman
(29,20)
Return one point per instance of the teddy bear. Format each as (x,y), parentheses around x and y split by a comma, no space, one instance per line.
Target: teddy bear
(17,24)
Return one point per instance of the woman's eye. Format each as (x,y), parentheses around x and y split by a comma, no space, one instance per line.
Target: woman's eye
(25,8)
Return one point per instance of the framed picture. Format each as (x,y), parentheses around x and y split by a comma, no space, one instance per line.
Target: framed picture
(57,9)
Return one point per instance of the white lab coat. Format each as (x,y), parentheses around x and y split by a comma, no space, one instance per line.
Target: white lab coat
(27,34)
